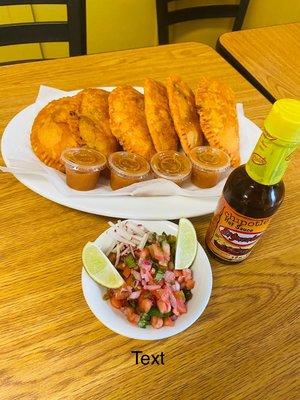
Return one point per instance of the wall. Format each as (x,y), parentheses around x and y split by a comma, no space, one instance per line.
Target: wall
(124,24)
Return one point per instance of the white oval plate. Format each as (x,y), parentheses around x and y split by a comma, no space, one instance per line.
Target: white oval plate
(16,138)
(117,322)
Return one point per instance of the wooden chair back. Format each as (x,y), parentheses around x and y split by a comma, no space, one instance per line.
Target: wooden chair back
(166,17)
(73,30)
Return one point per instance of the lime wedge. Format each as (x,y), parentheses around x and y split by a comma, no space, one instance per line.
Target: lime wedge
(99,268)
(186,244)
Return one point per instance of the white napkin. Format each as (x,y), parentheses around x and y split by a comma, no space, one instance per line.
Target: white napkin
(249,134)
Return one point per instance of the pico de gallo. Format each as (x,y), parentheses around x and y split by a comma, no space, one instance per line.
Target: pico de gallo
(154,293)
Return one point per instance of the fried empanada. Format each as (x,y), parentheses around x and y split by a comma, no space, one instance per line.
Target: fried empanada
(184,113)
(54,129)
(94,127)
(217,111)
(158,116)
(128,121)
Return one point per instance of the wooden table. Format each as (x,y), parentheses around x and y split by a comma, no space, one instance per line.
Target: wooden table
(269,57)
(52,347)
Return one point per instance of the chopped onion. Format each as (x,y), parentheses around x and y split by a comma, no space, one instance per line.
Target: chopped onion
(135,295)
(139,229)
(130,234)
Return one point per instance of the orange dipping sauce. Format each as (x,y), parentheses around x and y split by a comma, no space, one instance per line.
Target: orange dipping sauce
(209,166)
(83,167)
(127,168)
(172,165)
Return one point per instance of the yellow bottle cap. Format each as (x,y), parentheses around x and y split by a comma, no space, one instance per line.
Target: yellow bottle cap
(283,121)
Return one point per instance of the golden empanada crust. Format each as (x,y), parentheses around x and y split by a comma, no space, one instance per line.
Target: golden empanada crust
(184,113)
(128,121)
(94,127)
(217,111)
(54,129)
(158,116)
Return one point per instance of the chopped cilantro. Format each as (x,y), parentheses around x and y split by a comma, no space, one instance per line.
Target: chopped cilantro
(130,261)
(144,320)
(154,312)
(159,274)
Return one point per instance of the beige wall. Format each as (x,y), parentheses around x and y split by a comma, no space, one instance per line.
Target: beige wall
(124,24)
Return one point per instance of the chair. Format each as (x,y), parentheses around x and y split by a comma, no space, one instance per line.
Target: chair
(166,17)
(73,30)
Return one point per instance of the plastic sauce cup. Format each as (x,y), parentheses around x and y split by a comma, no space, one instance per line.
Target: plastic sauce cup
(83,167)
(171,165)
(127,168)
(209,166)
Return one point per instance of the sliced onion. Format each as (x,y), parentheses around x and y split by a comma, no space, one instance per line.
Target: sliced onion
(118,254)
(143,241)
(110,247)
(132,252)
(139,229)
(121,239)
(129,233)
(122,232)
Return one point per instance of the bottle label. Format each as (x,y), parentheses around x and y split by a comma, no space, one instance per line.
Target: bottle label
(269,159)
(231,236)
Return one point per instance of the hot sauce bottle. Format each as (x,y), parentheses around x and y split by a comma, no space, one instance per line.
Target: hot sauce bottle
(254,191)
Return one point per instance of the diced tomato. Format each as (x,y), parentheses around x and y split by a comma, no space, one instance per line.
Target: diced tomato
(144,303)
(164,307)
(131,315)
(179,295)
(190,284)
(116,303)
(130,280)
(187,273)
(157,253)
(181,307)
(145,253)
(168,321)
(157,322)
(167,251)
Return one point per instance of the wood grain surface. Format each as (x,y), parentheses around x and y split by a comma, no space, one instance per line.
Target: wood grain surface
(244,346)
(271,55)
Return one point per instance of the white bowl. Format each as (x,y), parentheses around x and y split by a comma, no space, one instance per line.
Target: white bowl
(116,320)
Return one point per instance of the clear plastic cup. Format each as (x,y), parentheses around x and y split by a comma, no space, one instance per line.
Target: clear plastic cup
(210,165)
(83,167)
(127,168)
(172,165)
